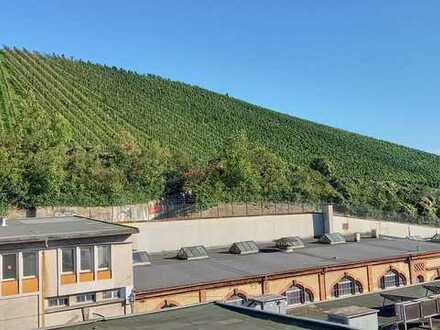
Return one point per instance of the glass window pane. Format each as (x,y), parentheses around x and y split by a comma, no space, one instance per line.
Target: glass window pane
(68,260)
(9,266)
(89,297)
(29,264)
(294,295)
(104,256)
(86,258)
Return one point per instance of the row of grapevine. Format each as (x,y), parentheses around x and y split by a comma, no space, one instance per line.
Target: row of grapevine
(100,102)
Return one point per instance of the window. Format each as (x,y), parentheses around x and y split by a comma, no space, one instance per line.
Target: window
(104,257)
(392,279)
(29,264)
(68,265)
(85,298)
(10,266)
(298,295)
(420,279)
(58,302)
(86,259)
(111,294)
(346,287)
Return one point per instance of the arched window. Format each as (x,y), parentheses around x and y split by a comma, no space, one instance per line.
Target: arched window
(297,294)
(392,279)
(420,279)
(347,286)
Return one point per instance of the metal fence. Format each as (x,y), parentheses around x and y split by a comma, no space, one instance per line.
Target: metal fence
(186,210)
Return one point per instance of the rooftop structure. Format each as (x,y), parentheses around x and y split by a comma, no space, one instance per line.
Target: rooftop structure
(383,303)
(207,317)
(246,247)
(192,253)
(141,258)
(58,228)
(333,238)
(289,244)
(166,272)
(83,265)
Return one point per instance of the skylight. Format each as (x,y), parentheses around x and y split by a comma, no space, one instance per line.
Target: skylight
(245,247)
(193,253)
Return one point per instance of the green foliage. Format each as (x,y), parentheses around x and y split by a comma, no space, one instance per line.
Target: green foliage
(74,132)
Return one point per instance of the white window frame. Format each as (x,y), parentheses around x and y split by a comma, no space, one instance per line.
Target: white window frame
(75,261)
(36,264)
(17,267)
(114,294)
(92,259)
(86,301)
(58,299)
(109,267)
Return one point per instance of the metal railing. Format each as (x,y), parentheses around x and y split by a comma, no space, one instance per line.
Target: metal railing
(185,211)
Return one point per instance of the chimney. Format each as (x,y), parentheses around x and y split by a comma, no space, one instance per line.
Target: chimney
(3,221)
(327,216)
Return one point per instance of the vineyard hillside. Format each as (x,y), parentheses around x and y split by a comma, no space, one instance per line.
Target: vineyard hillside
(99,103)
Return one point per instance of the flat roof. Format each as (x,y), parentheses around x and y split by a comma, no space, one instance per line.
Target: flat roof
(205,317)
(166,271)
(386,317)
(57,228)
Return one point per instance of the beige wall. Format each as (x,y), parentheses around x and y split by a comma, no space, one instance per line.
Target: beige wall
(159,236)
(350,225)
(19,312)
(172,235)
(122,273)
(76,315)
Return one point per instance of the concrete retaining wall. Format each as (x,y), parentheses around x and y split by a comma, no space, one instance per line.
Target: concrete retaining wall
(351,225)
(159,236)
(171,235)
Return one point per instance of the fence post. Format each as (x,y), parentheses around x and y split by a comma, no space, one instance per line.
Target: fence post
(261,207)
(232,208)
(246,208)
(275,206)
(218,211)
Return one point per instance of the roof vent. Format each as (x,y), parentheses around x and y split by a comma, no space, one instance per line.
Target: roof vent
(141,258)
(246,247)
(3,221)
(193,253)
(333,238)
(290,243)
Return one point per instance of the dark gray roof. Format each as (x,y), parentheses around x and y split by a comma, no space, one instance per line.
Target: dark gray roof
(371,300)
(206,317)
(57,228)
(167,272)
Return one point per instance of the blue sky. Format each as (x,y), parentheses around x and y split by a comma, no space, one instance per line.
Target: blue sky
(371,67)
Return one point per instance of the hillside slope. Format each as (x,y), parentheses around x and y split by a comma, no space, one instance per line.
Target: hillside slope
(100,102)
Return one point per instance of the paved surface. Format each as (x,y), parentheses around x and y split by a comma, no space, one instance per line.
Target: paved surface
(166,271)
(52,228)
(202,317)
